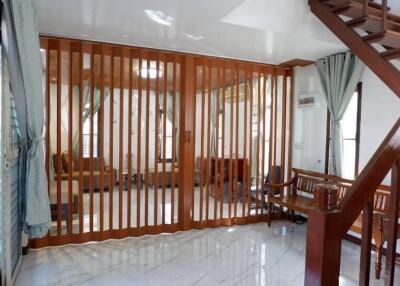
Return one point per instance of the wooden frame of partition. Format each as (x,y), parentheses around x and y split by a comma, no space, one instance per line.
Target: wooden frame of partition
(108,67)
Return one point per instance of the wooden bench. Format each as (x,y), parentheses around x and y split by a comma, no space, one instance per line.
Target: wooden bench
(299,196)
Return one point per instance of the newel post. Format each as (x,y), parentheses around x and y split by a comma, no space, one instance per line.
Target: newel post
(323,247)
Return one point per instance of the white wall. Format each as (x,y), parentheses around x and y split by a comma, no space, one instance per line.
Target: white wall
(309,123)
(380,109)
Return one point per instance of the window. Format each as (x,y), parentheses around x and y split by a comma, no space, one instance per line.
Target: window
(351,136)
(168,138)
(86,136)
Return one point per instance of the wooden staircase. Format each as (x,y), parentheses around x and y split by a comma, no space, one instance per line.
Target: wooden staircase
(369,30)
(372,32)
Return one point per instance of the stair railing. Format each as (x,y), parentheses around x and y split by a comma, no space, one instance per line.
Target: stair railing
(326,229)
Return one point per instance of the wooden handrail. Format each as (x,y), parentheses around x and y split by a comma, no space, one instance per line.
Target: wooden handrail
(370,178)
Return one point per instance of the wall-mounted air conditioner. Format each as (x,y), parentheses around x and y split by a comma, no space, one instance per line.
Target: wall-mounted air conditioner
(308,100)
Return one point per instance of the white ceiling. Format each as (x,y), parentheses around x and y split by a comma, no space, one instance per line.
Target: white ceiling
(268,31)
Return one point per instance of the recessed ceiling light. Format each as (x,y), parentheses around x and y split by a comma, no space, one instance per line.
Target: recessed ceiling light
(159,17)
(194,37)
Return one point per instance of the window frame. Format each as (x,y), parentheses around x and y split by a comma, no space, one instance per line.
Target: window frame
(357,138)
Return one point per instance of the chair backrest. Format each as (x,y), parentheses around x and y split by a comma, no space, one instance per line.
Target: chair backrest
(381,199)
(307,180)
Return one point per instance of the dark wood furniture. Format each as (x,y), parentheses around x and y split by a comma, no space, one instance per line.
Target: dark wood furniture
(97,162)
(300,197)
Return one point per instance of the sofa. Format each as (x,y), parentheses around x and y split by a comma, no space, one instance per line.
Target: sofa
(97,163)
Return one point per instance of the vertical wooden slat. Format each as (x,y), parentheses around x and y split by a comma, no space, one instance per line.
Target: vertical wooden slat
(101,141)
(216,140)
(129,183)
(48,114)
(91,169)
(275,121)
(237,140)
(222,183)
(270,171)
(195,82)
(111,150)
(251,135)
(290,137)
(81,95)
(139,145)
(208,164)
(203,79)
(173,142)
(283,131)
(121,138)
(258,142)
(263,141)
(70,132)
(244,185)
(156,140)
(232,83)
(164,136)
(58,142)
(146,160)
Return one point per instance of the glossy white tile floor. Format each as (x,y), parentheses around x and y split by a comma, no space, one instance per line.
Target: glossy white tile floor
(240,255)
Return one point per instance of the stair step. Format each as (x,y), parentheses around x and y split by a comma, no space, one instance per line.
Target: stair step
(340,8)
(374,38)
(389,38)
(392,54)
(357,9)
(353,23)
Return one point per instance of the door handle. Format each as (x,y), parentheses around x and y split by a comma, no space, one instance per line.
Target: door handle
(187,136)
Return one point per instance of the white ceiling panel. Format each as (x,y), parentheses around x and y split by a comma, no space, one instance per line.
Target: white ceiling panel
(268,31)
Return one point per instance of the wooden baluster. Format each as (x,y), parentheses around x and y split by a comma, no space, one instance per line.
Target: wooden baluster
(384,15)
(101,141)
(202,138)
(393,215)
(366,237)
(365,8)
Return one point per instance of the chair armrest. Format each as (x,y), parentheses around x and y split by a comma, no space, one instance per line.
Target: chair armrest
(273,185)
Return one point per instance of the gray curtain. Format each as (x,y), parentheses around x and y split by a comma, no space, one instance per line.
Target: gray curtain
(21,40)
(86,112)
(213,114)
(170,115)
(256,139)
(339,75)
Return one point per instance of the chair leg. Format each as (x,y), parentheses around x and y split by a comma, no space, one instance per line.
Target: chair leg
(270,212)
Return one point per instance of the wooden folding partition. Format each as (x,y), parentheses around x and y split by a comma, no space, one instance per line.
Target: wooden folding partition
(138,140)
(242,125)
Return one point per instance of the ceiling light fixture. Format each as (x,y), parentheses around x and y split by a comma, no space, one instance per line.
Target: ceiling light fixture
(159,17)
(151,73)
(193,37)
